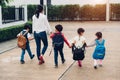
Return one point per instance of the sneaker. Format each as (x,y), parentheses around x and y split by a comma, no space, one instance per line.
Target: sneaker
(80,65)
(95,67)
(33,56)
(22,61)
(42,60)
(56,66)
(63,61)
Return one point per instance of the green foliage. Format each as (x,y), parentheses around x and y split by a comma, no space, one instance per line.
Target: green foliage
(11,32)
(3,2)
(31,9)
(86,12)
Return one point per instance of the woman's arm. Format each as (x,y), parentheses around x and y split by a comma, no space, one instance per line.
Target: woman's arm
(47,25)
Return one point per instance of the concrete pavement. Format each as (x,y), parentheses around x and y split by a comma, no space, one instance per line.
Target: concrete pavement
(11,69)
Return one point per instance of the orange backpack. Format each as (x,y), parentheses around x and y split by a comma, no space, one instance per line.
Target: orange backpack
(21,40)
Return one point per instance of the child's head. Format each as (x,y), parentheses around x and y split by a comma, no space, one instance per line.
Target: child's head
(59,27)
(27,27)
(80,31)
(98,35)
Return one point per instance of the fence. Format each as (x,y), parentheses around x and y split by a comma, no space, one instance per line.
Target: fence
(12,14)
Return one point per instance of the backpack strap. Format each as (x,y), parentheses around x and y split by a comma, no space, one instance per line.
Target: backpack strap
(21,33)
(100,43)
(25,33)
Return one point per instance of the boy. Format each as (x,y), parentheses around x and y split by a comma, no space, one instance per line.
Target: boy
(28,37)
(58,39)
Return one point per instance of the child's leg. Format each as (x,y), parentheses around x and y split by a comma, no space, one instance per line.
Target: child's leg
(62,55)
(79,63)
(100,62)
(95,64)
(22,56)
(56,57)
(29,52)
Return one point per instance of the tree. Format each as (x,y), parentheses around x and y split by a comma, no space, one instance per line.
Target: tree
(3,2)
(86,12)
(99,12)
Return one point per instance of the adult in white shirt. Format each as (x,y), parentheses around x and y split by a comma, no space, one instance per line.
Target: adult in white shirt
(40,26)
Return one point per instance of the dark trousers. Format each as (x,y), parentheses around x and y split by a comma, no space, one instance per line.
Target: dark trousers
(56,50)
(42,36)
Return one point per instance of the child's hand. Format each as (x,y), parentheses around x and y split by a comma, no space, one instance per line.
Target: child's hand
(30,38)
(70,46)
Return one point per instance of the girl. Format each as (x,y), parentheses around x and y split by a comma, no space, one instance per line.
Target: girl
(79,41)
(99,51)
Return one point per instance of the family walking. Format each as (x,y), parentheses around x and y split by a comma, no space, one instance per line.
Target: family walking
(41,27)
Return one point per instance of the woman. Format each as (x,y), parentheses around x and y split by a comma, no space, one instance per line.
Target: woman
(40,26)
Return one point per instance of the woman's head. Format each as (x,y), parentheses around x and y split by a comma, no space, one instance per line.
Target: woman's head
(80,31)
(98,35)
(59,27)
(38,10)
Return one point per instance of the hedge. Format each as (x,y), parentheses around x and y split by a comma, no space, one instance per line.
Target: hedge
(11,32)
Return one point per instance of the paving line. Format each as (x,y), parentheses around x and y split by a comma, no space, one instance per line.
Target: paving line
(60,78)
(8,49)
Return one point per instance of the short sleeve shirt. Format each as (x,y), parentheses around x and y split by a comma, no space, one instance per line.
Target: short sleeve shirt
(79,41)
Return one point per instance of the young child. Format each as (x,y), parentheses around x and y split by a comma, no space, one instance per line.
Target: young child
(99,51)
(58,39)
(28,37)
(79,41)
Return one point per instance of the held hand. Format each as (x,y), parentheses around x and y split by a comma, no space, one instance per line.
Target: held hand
(70,46)
(50,32)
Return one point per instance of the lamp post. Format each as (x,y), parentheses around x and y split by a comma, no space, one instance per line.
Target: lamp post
(107,11)
(42,2)
(47,8)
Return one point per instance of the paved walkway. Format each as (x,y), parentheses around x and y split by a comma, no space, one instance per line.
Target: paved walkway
(11,69)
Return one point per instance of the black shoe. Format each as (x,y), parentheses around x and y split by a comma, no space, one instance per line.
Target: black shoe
(95,67)
(56,66)
(63,61)
(22,62)
(33,56)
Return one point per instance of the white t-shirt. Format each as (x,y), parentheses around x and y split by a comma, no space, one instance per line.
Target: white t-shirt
(79,41)
(28,34)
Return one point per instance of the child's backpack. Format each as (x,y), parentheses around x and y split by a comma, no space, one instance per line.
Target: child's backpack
(78,52)
(58,40)
(21,40)
(99,52)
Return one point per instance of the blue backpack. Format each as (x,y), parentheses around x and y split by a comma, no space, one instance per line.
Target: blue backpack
(99,52)
(58,41)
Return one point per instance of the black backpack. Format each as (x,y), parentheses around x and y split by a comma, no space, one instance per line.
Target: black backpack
(78,53)
(58,40)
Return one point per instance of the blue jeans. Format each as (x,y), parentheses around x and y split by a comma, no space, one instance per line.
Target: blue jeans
(28,50)
(56,50)
(42,36)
